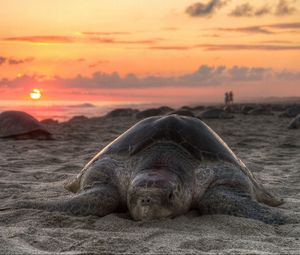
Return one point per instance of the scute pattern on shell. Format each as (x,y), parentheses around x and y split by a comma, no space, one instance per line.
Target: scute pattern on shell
(190,133)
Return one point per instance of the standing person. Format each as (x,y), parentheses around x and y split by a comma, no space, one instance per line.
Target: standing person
(230,97)
(226,98)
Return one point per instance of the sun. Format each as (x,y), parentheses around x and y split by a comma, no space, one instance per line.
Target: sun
(35,94)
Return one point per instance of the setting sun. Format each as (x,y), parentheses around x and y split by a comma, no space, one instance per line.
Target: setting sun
(35,94)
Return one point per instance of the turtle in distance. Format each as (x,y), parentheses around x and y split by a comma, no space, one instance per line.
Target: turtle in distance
(20,125)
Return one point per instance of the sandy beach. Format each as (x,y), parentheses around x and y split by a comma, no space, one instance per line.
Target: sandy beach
(31,169)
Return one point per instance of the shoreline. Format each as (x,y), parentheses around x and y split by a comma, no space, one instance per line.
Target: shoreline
(66,111)
(276,108)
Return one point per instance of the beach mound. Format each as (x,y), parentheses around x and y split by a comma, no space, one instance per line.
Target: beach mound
(37,169)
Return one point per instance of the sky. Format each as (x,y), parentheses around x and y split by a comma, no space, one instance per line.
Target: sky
(149,51)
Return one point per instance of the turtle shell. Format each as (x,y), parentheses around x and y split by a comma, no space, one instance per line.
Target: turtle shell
(17,123)
(190,133)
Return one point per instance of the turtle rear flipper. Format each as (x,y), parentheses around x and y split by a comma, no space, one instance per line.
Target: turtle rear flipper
(262,195)
(231,201)
(72,185)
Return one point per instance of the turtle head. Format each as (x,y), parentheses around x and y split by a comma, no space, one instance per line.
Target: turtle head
(155,194)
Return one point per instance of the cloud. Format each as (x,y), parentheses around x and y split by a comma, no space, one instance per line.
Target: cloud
(262,11)
(105,33)
(292,25)
(247,10)
(264,47)
(98,63)
(279,42)
(13,61)
(250,30)
(204,10)
(2,60)
(288,75)
(56,39)
(248,74)
(116,41)
(19,82)
(41,39)
(273,46)
(204,76)
(170,28)
(242,10)
(264,29)
(171,47)
(284,8)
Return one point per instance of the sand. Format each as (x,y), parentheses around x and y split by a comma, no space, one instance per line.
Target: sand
(37,170)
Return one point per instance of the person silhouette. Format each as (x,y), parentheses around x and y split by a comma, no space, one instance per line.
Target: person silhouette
(226,98)
(230,97)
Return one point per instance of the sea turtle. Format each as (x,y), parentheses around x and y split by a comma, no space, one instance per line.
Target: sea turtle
(295,123)
(215,113)
(21,125)
(291,112)
(246,109)
(163,167)
(260,110)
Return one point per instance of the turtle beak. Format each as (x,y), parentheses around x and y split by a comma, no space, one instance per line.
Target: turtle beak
(149,207)
(151,195)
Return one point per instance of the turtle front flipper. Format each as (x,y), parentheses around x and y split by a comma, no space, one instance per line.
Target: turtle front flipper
(232,201)
(99,201)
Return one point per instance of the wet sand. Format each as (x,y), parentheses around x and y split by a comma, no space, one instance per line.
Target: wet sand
(37,169)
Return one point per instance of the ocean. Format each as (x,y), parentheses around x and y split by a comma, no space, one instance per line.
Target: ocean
(63,111)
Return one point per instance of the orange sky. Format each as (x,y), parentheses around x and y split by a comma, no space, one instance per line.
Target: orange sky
(174,50)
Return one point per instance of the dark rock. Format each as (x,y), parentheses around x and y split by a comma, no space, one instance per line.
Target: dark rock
(84,105)
(199,108)
(122,112)
(215,113)
(149,113)
(78,118)
(279,107)
(229,109)
(186,108)
(260,110)
(183,112)
(166,109)
(291,112)
(49,122)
